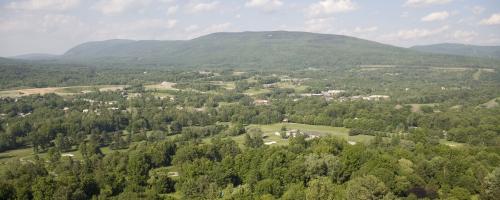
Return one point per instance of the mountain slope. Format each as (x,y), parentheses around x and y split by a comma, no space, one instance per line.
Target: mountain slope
(461,49)
(259,49)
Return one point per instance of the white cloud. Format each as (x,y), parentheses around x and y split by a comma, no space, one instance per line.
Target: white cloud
(191,28)
(194,31)
(326,7)
(436,16)
(319,25)
(201,7)
(464,36)
(148,29)
(418,33)
(417,3)
(266,5)
(47,23)
(365,30)
(32,5)
(494,19)
(171,23)
(113,7)
(172,9)
(478,10)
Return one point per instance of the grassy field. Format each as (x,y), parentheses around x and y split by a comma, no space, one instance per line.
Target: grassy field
(59,90)
(26,154)
(271,129)
(161,86)
(297,88)
(256,91)
(491,103)
(451,143)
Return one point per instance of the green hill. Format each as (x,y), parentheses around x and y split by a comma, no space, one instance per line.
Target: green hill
(461,49)
(274,49)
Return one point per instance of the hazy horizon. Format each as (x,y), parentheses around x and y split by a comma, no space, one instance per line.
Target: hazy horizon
(54,26)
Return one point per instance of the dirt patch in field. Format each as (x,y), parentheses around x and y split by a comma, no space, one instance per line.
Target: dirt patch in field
(162,86)
(112,88)
(491,103)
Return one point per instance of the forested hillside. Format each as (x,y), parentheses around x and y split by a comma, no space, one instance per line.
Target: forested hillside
(276,49)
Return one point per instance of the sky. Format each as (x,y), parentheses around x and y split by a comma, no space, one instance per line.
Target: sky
(54,26)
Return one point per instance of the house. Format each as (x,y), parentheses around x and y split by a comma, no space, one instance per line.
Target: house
(261,102)
(332,92)
(378,97)
(270,85)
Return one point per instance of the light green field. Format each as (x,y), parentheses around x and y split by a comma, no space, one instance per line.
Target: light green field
(256,91)
(271,129)
(315,129)
(451,143)
(298,88)
(491,103)
(72,90)
(26,154)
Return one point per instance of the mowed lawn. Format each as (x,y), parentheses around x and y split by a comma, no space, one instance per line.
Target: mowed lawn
(270,130)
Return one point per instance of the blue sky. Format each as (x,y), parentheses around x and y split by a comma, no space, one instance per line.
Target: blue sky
(54,26)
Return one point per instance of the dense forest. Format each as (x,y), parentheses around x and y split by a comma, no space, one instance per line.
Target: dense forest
(429,133)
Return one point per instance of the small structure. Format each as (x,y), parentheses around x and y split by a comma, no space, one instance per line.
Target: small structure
(261,102)
(270,85)
(270,142)
(378,97)
(330,93)
(173,174)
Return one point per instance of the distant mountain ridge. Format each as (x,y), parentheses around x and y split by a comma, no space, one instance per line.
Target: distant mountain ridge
(36,56)
(461,49)
(266,49)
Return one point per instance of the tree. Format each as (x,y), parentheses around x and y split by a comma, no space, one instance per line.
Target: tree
(236,129)
(137,167)
(492,185)
(175,127)
(44,188)
(294,191)
(253,139)
(7,191)
(367,187)
(320,189)
(62,143)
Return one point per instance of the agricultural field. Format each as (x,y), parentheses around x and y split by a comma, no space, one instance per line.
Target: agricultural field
(63,91)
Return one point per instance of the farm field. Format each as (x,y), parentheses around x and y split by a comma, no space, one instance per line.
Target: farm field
(72,90)
(161,86)
(26,154)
